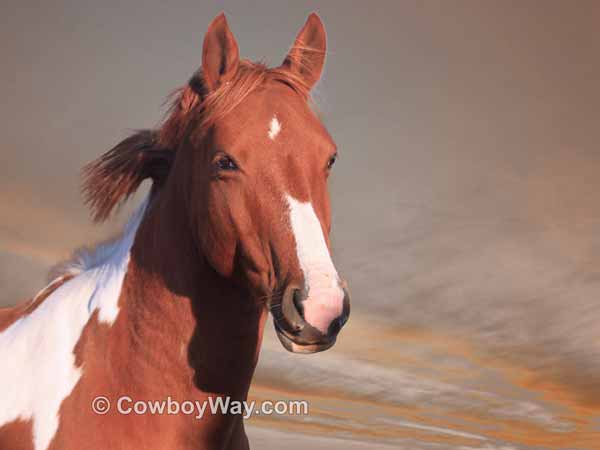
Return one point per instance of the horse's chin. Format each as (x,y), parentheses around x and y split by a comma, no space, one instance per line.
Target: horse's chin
(294,347)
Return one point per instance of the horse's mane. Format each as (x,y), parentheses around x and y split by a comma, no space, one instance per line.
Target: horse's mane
(116,175)
(111,179)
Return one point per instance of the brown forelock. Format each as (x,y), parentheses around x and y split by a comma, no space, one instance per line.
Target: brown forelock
(197,106)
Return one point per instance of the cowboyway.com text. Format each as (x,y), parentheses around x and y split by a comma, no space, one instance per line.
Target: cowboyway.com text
(213,405)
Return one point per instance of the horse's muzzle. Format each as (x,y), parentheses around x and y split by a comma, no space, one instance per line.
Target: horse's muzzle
(298,335)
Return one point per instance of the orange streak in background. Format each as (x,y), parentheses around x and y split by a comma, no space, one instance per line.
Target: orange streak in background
(335,411)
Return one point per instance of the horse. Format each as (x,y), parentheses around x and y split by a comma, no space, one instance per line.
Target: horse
(236,224)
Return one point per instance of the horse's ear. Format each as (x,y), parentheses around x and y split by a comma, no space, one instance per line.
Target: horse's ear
(306,58)
(220,53)
(112,178)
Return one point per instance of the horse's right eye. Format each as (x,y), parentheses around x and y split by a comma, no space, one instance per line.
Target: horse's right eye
(224,162)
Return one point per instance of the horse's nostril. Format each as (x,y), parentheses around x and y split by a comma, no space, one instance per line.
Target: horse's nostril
(298,299)
(293,310)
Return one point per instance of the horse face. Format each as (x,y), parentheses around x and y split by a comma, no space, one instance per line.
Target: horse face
(264,183)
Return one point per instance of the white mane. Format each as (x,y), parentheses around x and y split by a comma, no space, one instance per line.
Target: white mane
(86,258)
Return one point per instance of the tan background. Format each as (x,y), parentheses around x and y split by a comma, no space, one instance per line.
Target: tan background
(466,199)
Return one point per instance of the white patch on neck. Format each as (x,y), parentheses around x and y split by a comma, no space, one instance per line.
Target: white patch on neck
(36,351)
(325,296)
(274,128)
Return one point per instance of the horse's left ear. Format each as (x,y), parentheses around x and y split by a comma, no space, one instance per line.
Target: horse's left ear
(220,54)
(307,56)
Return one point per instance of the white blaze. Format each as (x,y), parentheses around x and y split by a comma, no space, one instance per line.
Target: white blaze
(38,363)
(325,296)
(274,128)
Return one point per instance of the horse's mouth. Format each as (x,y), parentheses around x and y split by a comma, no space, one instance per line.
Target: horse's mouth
(292,345)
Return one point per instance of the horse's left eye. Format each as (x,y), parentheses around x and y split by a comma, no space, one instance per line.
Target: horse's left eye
(331,161)
(225,163)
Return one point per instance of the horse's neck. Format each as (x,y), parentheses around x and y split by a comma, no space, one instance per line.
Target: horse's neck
(184,324)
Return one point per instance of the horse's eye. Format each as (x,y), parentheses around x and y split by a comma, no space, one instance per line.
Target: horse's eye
(331,162)
(224,162)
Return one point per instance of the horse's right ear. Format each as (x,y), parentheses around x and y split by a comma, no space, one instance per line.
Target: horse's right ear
(112,178)
(220,54)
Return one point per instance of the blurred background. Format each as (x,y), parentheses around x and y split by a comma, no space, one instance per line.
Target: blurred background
(466,200)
